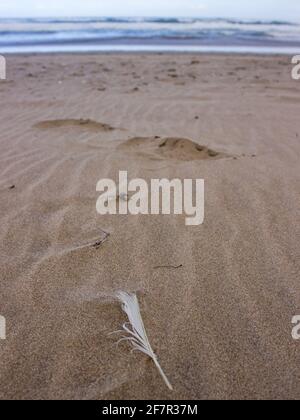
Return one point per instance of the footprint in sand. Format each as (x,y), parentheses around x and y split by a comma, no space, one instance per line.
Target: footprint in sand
(74,123)
(170,148)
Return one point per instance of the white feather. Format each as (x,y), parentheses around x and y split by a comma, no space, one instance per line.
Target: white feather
(135,330)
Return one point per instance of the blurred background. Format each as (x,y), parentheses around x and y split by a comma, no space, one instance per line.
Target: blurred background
(160,25)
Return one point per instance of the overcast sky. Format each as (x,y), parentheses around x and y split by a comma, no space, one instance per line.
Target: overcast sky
(256,9)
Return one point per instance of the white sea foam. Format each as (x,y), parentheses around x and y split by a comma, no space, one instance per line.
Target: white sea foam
(93,34)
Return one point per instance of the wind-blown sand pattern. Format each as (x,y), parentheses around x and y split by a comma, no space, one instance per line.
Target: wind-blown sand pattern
(81,123)
(221,324)
(170,148)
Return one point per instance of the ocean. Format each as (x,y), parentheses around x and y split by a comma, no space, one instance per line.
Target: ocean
(147,34)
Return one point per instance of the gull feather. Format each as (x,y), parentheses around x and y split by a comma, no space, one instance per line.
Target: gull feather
(135,330)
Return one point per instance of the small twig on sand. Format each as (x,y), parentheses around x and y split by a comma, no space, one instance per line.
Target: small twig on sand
(169,266)
(97,244)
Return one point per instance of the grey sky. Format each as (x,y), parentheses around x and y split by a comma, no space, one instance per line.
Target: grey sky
(251,9)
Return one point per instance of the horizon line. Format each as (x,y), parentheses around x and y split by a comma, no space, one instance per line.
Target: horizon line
(270,20)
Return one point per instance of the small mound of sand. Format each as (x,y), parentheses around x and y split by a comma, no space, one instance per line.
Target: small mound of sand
(171,148)
(80,123)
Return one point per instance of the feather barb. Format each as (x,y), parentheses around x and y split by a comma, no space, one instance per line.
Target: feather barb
(136,332)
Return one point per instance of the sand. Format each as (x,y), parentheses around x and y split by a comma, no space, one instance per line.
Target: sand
(221,323)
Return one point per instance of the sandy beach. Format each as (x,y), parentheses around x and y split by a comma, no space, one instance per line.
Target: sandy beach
(220,323)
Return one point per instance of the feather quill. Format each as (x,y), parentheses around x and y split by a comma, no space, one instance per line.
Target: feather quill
(135,330)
